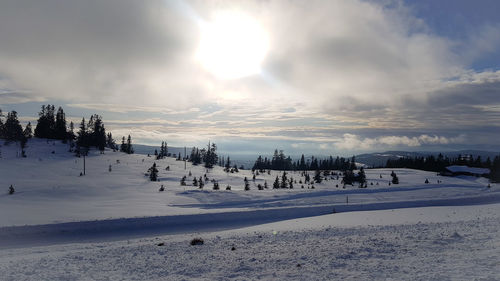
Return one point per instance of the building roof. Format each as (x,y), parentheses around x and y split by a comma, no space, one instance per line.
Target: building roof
(467,169)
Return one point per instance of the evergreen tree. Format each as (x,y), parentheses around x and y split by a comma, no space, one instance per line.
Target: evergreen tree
(276,183)
(362,176)
(395,179)
(317,176)
(82,139)
(123,146)
(247,185)
(130,149)
(284,181)
(60,125)
(153,173)
(45,127)
(28,131)
(210,155)
(12,128)
(110,142)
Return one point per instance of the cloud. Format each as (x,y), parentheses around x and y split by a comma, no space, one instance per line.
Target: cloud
(354,142)
(342,74)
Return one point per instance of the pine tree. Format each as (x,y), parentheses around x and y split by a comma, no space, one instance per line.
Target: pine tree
(395,179)
(82,138)
(60,125)
(12,128)
(284,181)
(362,176)
(28,131)
(247,185)
(110,142)
(276,183)
(210,155)
(130,149)
(153,173)
(317,177)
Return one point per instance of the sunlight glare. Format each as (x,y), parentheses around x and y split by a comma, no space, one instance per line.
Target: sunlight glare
(232,46)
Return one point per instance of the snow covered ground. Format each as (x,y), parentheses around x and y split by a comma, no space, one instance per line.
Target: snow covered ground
(434,243)
(106,225)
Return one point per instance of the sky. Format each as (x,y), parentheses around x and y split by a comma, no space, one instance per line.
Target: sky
(323,77)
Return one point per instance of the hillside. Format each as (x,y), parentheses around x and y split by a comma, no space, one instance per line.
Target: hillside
(110,224)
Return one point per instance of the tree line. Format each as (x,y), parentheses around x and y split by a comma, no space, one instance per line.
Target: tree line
(206,155)
(439,163)
(280,161)
(12,131)
(52,124)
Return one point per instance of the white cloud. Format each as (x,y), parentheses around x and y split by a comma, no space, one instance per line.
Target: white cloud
(354,142)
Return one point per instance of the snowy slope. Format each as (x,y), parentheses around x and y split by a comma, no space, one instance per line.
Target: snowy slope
(435,243)
(50,190)
(107,225)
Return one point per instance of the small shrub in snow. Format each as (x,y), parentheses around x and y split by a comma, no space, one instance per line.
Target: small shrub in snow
(247,185)
(196,241)
(11,190)
(395,179)
(216,185)
(183,181)
(260,187)
(228,187)
(162,188)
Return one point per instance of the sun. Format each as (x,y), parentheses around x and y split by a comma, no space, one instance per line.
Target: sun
(232,46)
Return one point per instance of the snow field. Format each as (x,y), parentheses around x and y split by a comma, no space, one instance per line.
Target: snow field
(50,190)
(342,246)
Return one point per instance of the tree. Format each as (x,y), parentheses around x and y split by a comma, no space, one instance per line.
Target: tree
(129,148)
(45,125)
(12,128)
(395,179)
(210,155)
(153,173)
(276,183)
(247,185)
(317,176)
(284,181)
(82,139)
(110,142)
(361,176)
(28,131)
(60,125)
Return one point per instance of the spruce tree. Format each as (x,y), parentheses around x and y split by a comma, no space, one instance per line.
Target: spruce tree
(28,131)
(12,128)
(153,173)
(130,149)
(60,125)
(123,146)
(276,183)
